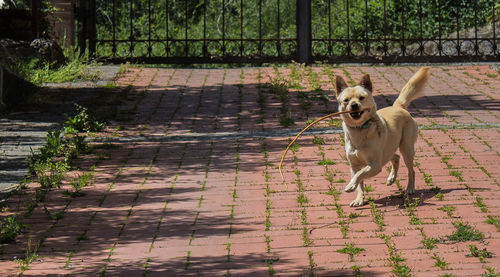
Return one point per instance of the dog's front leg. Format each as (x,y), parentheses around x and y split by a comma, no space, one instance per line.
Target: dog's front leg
(368,171)
(360,196)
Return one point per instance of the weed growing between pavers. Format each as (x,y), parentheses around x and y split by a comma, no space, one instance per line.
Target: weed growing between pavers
(490,272)
(30,255)
(351,250)
(79,183)
(108,259)
(427,242)
(302,200)
(400,269)
(356,271)
(368,188)
(312,264)
(464,232)
(267,195)
(332,190)
(164,208)
(482,254)
(448,210)
(377,215)
(440,262)
(410,208)
(494,221)
(480,204)
(278,86)
(49,168)
(130,210)
(54,216)
(296,73)
(10,227)
(82,122)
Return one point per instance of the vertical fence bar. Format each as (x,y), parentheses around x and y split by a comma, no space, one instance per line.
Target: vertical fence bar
(367,43)
(457,22)
(421,27)
(150,49)
(386,48)
(493,21)
(92,28)
(403,27)
(476,44)
(223,27)
(440,45)
(167,16)
(186,48)
(131,26)
(304,35)
(260,28)
(330,48)
(348,29)
(278,44)
(205,49)
(241,28)
(114,29)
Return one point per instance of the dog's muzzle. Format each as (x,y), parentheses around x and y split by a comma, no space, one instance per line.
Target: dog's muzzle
(356,115)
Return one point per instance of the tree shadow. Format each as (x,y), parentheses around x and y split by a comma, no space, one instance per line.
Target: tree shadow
(183,111)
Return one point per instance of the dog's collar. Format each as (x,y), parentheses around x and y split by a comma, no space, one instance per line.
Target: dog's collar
(365,125)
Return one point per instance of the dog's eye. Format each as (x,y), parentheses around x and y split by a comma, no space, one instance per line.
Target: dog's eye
(346,100)
(361,98)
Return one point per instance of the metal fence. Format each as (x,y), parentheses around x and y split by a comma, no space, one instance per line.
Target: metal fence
(258,31)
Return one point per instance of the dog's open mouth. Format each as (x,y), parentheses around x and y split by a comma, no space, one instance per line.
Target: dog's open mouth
(357,114)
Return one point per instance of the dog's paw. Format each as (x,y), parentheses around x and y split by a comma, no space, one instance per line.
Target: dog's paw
(357,202)
(350,187)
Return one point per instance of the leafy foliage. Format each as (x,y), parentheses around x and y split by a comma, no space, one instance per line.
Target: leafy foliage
(479,253)
(82,122)
(465,232)
(9,228)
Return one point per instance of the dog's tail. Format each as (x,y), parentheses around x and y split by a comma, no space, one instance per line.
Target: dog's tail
(413,89)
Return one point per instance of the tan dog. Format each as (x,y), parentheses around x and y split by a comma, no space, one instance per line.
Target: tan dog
(372,136)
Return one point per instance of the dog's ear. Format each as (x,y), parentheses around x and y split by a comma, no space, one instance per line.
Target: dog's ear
(366,82)
(340,84)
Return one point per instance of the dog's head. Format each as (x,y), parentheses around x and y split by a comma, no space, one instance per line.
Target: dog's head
(357,99)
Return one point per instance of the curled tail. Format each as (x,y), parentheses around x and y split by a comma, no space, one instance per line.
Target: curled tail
(413,89)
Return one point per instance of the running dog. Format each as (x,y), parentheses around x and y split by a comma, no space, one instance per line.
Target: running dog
(373,136)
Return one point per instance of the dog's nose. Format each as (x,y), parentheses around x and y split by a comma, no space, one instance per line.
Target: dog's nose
(354,106)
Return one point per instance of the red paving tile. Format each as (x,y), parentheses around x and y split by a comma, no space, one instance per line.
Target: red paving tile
(203,204)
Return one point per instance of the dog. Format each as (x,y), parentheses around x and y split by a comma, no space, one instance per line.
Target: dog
(373,136)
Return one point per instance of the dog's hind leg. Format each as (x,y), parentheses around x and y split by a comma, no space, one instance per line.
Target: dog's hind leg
(394,170)
(408,152)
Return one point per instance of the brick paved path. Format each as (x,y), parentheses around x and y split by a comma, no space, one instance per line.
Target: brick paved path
(193,186)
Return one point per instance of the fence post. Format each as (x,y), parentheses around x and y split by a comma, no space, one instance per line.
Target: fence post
(35,13)
(304,35)
(81,16)
(92,27)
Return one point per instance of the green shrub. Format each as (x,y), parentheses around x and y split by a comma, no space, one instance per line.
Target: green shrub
(48,174)
(10,227)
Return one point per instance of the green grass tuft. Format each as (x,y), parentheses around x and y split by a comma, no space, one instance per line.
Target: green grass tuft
(465,232)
